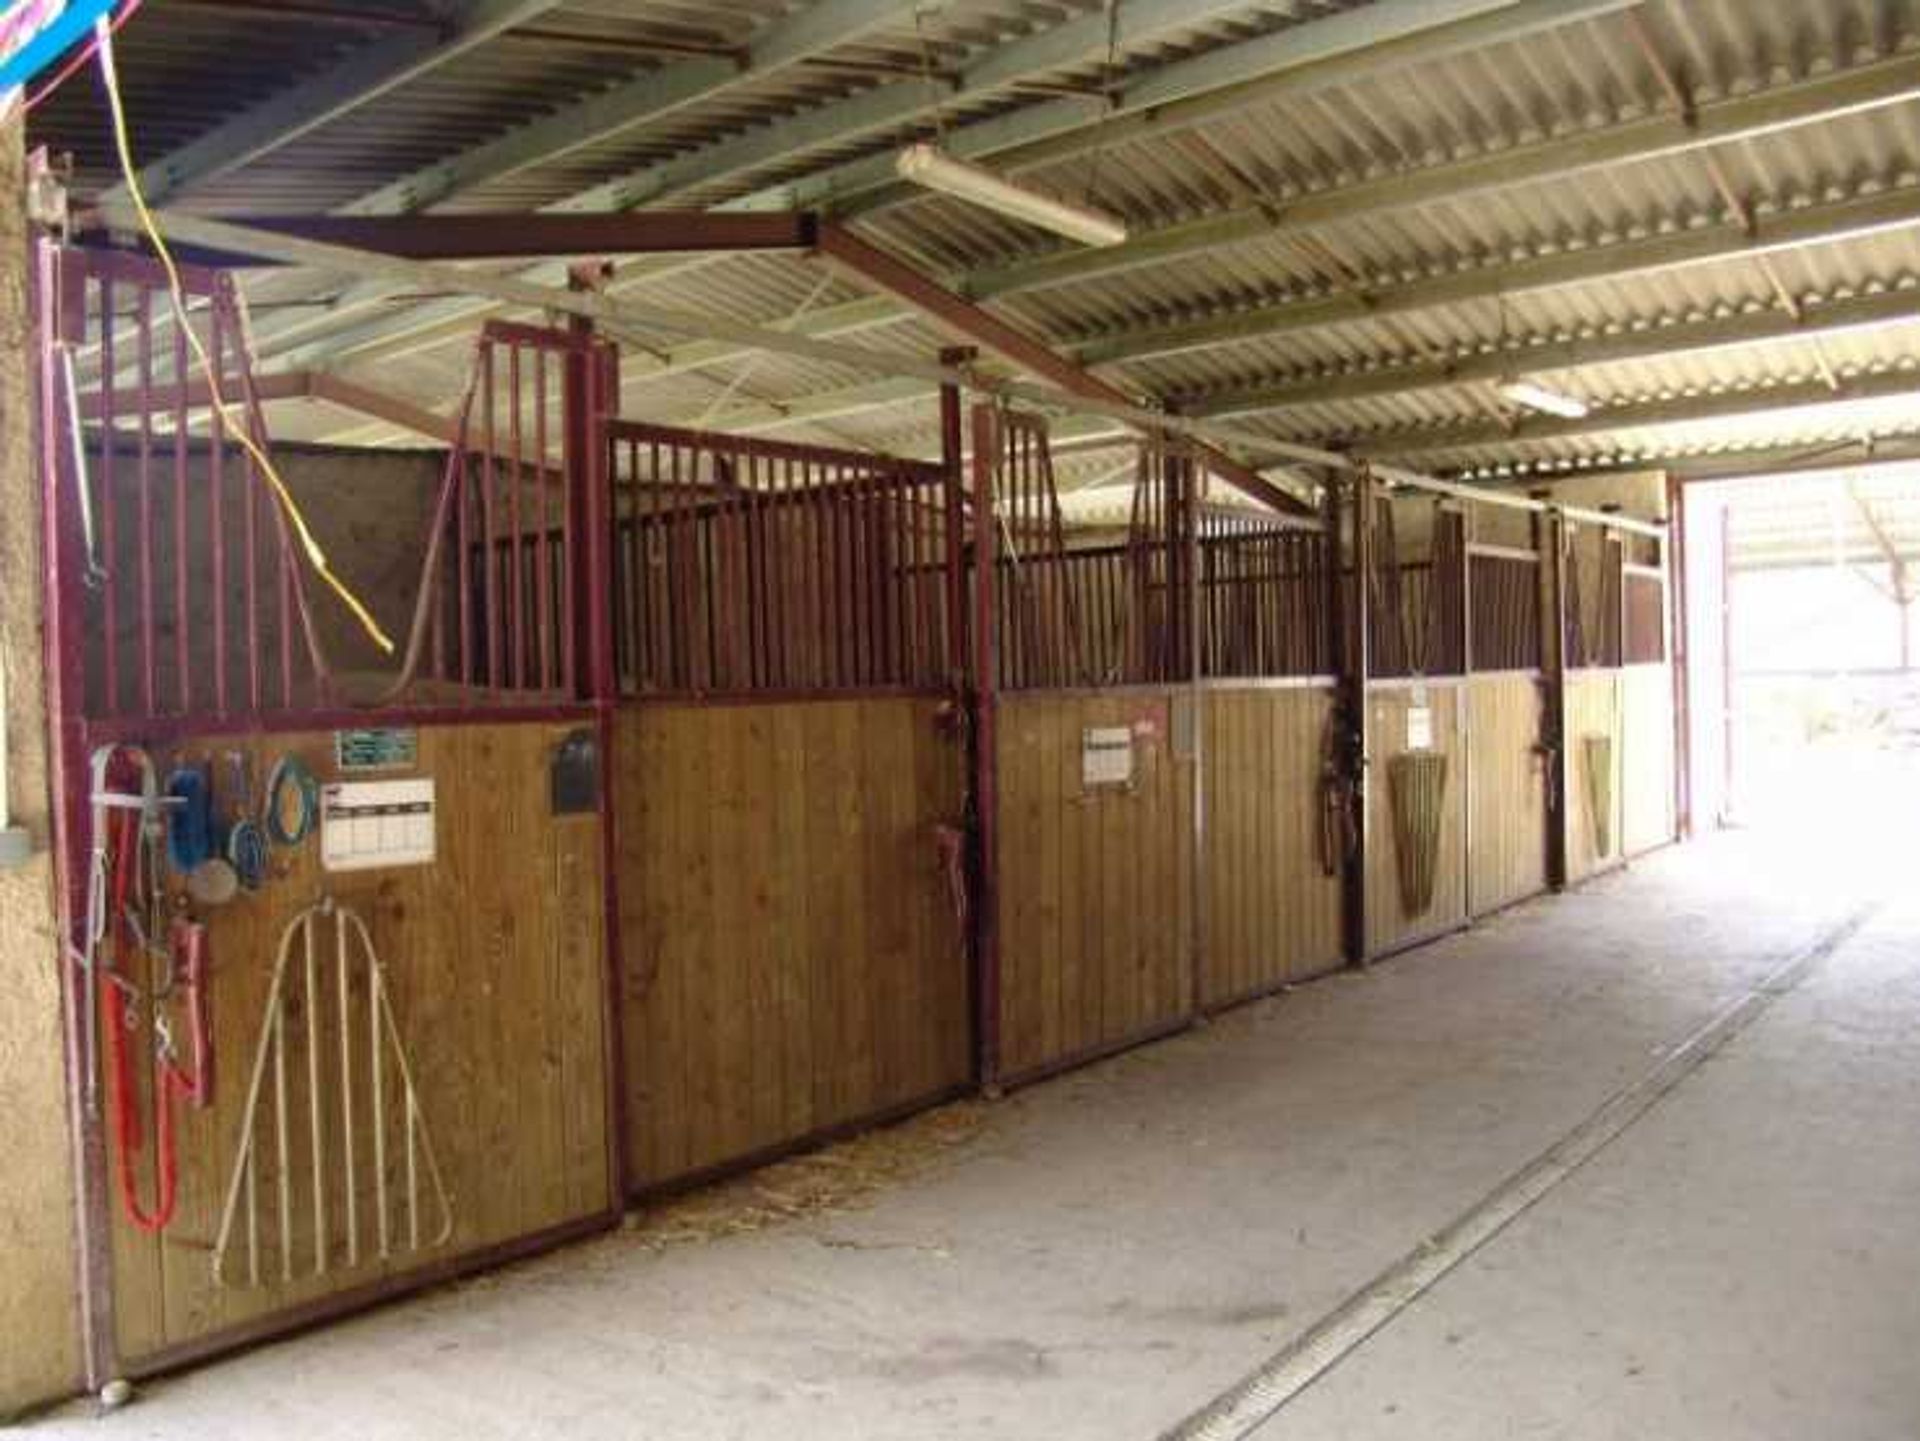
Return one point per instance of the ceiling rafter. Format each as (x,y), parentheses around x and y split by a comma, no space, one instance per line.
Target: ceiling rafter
(651,96)
(362,76)
(1868,213)
(1431,440)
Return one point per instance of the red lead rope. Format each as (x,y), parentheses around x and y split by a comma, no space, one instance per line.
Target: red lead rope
(171,1081)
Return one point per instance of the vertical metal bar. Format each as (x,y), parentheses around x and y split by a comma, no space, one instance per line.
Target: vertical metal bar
(315,1120)
(516,589)
(182,629)
(217,501)
(59,299)
(378,1084)
(107,509)
(148,681)
(250,572)
(347,1126)
(544,557)
(490,555)
(986,939)
(283,1144)
(1550,543)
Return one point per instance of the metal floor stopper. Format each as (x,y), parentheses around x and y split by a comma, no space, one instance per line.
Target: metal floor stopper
(329,1027)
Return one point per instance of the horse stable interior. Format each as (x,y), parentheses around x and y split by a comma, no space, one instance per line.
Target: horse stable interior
(942,717)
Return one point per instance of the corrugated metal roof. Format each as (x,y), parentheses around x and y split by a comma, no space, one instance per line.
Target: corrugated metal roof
(191,64)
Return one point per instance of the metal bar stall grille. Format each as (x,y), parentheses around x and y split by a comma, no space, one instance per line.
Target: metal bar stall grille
(1416,620)
(1595,556)
(745,566)
(499,616)
(1262,590)
(1093,615)
(193,603)
(1505,608)
(1645,637)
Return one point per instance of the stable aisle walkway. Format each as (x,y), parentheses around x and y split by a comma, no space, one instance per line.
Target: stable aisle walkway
(1107,1254)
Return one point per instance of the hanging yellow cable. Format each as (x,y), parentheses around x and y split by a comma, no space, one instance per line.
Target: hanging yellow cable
(224,418)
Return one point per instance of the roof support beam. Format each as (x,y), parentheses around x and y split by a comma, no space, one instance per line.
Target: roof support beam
(648,97)
(969,322)
(1734,405)
(363,76)
(1814,225)
(881,109)
(621,319)
(1836,317)
(1302,60)
(511,236)
(1823,319)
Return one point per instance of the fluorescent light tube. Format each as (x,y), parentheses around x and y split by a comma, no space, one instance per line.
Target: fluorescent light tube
(929,166)
(1538,397)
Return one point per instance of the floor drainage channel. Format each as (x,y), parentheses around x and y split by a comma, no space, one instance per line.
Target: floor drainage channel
(1255,1399)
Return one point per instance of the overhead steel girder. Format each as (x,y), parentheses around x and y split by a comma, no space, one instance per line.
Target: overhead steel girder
(1759,327)
(884,109)
(363,76)
(1814,225)
(887,271)
(1733,405)
(878,110)
(522,236)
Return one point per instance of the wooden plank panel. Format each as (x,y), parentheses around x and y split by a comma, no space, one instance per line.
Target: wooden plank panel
(1095,906)
(496,972)
(1389,923)
(1507,786)
(1273,916)
(793,962)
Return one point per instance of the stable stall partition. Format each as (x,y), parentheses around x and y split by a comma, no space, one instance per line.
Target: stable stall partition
(1272,835)
(1088,760)
(1508,767)
(337,1013)
(790,771)
(1418,722)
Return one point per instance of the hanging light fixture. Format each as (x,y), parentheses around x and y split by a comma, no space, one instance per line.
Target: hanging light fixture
(1539,397)
(933,168)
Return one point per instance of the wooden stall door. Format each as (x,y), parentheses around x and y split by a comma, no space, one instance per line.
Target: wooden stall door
(1506,779)
(1095,907)
(1272,908)
(495,966)
(793,957)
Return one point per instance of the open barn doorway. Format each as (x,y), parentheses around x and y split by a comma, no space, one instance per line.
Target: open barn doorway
(1802,623)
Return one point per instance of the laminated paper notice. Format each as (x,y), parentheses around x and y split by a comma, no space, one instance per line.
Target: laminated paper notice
(1106,756)
(1419,728)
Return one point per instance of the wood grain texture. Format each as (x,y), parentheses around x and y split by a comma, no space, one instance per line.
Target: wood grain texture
(1506,781)
(1272,914)
(1593,710)
(496,975)
(1646,761)
(1096,925)
(1388,922)
(791,958)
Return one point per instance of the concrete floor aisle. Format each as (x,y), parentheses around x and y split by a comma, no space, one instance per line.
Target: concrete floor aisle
(1111,1251)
